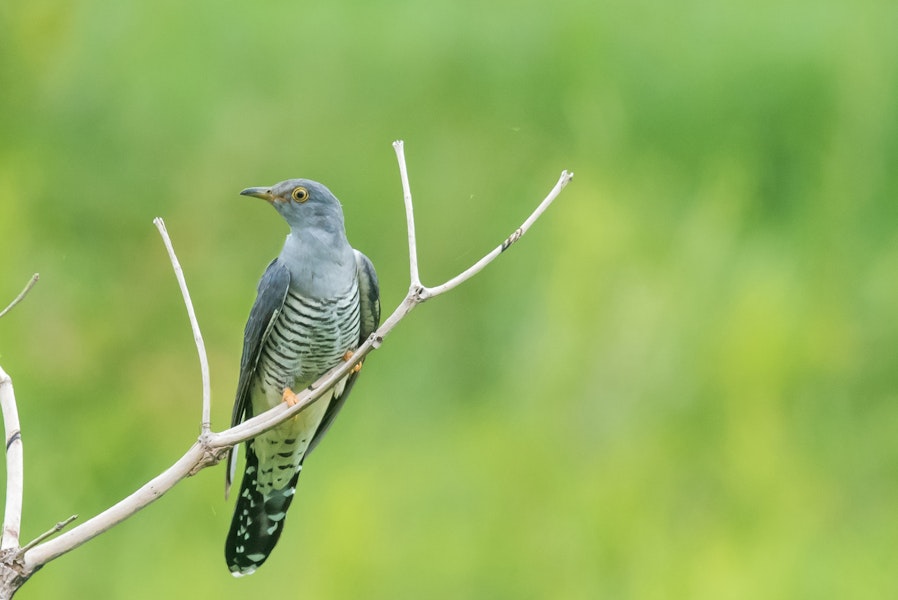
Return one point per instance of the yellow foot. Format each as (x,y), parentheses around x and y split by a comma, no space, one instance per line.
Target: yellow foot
(349,354)
(289,397)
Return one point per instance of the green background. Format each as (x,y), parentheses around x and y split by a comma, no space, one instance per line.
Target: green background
(683,383)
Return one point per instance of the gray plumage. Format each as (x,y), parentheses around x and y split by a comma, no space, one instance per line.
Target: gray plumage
(318,299)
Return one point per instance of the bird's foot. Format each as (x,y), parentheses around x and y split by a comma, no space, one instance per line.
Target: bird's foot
(289,397)
(346,358)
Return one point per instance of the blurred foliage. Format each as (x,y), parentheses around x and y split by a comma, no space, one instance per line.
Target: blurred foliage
(682,384)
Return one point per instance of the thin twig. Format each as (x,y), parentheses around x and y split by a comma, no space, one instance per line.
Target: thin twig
(22,294)
(415,278)
(197,335)
(15,473)
(47,534)
(517,234)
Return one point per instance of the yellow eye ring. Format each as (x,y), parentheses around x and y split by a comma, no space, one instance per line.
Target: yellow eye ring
(300,194)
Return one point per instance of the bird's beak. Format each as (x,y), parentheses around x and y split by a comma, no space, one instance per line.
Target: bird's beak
(259,192)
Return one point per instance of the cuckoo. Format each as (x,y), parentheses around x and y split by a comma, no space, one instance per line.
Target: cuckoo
(317,301)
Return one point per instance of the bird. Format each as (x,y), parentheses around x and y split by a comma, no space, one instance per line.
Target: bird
(316,303)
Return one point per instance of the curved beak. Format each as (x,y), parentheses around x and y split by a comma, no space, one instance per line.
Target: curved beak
(259,192)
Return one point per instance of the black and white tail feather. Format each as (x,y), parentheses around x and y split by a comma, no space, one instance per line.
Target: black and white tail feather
(258,518)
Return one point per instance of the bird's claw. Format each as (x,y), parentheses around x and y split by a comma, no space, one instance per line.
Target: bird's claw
(346,357)
(289,397)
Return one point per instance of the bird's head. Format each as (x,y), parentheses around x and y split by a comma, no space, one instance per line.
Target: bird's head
(300,201)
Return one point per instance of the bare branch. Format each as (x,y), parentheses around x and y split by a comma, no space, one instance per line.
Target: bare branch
(211,446)
(15,474)
(150,491)
(518,233)
(399,147)
(22,294)
(208,450)
(197,334)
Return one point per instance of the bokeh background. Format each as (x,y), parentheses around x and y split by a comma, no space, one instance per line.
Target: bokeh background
(682,384)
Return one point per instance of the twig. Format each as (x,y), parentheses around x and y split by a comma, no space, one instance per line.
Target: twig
(22,294)
(399,147)
(517,234)
(197,335)
(49,533)
(210,446)
(15,474)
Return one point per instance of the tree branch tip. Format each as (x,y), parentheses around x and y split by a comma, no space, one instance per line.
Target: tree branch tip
(62,524)
(205,423)
(22,294)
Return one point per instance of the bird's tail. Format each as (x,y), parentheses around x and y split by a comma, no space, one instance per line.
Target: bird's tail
(258,520)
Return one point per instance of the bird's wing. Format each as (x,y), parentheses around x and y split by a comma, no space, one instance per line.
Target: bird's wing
(369,314)
(369,296)
(269,301)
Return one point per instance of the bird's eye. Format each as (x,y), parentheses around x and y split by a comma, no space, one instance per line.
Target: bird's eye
(300,194)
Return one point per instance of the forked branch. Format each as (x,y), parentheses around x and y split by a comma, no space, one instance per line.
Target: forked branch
(211,446)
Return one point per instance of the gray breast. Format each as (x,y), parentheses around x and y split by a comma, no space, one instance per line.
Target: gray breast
(309,336)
